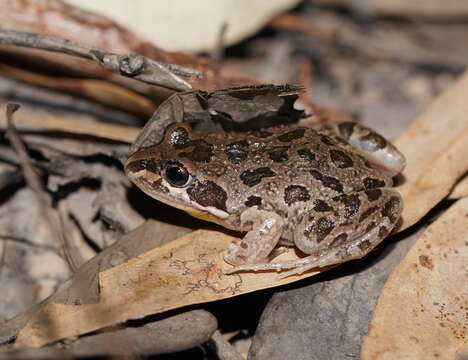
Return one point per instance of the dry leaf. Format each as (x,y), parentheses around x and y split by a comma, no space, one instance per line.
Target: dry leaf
(173,333)
(421,313)
(25,119)
(183,272)
(101,91)
(432,146)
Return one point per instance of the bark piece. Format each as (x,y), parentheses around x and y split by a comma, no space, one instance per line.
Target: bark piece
(171,334)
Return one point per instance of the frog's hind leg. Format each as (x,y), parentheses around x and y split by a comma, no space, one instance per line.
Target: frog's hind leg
(348,228)
(356,250)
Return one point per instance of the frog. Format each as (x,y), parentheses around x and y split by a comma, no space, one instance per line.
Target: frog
(326,190)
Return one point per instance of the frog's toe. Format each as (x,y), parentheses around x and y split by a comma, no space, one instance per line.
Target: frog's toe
(296,271)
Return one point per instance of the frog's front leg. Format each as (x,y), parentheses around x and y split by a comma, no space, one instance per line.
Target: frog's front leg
(344,228)
(265,231)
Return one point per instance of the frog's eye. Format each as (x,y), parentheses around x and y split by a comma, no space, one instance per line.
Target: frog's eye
(176,174)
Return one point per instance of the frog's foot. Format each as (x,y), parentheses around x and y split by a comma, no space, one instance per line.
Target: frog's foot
(260,241)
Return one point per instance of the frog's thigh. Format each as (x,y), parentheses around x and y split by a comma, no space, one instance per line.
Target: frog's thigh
(259,242)
(354,223)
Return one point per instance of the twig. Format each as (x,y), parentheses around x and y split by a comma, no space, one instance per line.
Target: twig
(2,259)
(224,349)
(135,66)
(33,181)
(218,51)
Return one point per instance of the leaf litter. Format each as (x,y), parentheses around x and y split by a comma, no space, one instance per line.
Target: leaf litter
(431,146)
(189,270)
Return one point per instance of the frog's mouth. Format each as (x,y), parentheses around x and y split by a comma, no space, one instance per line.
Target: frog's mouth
(155,186)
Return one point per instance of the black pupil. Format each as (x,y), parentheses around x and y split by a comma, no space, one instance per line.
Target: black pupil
(177,175)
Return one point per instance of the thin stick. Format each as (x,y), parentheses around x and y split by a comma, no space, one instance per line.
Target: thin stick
(224,349)
(135,66)
(34,182)
(218,52)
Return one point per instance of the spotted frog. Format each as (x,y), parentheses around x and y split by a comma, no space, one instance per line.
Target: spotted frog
(326,190)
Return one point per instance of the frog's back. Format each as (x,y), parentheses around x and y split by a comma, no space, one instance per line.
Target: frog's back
(290,154)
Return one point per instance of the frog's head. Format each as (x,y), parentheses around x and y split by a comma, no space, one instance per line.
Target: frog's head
(169,172)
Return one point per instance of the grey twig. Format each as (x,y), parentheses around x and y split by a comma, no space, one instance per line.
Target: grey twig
(34,182)
(224,349)
(135,66)
(218,51)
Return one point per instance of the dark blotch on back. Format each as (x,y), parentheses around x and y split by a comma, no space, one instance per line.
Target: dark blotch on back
(373,142)
(321,206)
(254,177)
(295,193)
(327,140)
(373,194)
(340,159)
(351,204)
(202,151)
(391,209)
(328,181)
(306,154)
(292,135)
(237,151)
(253,200)
(371,183)
(207,193)
(278,153)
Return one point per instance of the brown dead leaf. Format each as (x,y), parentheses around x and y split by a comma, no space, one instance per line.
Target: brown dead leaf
(432,146)
(421,313)
(101,91)
(102,130)
(182,272)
